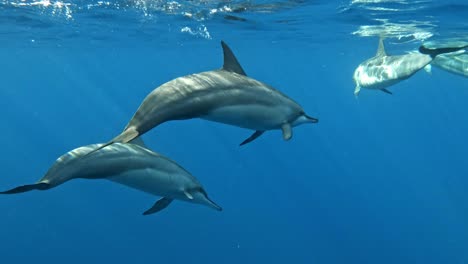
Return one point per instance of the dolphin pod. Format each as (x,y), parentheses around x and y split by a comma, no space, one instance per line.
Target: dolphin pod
(130,164)
(224,95)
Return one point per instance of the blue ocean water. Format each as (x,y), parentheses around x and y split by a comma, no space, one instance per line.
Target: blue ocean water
(380,179)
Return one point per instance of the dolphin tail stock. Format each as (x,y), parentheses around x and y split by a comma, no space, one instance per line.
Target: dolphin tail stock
(126,136)
(437,51)
(26,188)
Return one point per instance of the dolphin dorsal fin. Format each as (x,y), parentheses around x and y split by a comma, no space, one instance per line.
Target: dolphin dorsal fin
(138,141)
(230,62)
(381,49)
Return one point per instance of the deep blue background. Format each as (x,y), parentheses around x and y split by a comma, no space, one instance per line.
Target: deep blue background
(380,179)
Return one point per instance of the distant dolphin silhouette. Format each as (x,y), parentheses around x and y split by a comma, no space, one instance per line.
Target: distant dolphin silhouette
(128,164)
(225,95)
(382,70)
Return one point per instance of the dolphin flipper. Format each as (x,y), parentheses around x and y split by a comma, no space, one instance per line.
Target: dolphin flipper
(254,136)
(386,91)
(159,205)
(287,131)
(27,188)
(357,90)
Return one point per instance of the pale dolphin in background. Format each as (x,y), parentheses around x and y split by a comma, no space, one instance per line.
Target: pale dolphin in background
(129,164)
(382,70)
(455,62)
(225,95)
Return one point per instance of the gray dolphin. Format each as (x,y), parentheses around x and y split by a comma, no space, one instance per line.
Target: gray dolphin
(454,58)
(225,95)
(129,164)
(382,71)
(455,62)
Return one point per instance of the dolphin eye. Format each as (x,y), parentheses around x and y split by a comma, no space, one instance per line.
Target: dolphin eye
(203,191)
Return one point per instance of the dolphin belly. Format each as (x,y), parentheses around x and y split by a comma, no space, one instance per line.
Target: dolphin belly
(375,77)
(252,116)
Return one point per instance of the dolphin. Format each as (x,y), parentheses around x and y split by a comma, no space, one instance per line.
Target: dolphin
(455,62)
(130,164)
(382,70)
(224,95)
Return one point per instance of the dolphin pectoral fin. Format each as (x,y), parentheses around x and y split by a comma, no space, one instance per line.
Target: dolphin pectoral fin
(254,136)
(27,188)
(428,68)
(386,91)
(159,205)
(287,131)
(357,90)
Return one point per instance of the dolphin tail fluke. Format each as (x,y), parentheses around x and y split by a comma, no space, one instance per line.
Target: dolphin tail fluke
(129,134)
(159,205)
(100,147)
(126,136)
(27,188)
(437,51)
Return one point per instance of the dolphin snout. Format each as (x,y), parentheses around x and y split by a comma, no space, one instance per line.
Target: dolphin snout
(311,119)
(213,205)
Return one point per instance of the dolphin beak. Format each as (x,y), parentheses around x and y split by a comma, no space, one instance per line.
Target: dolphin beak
(311,119)
(212,204)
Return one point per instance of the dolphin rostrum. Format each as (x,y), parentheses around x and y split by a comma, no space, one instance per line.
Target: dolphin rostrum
(129,164)
(382,70)
(224,95)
